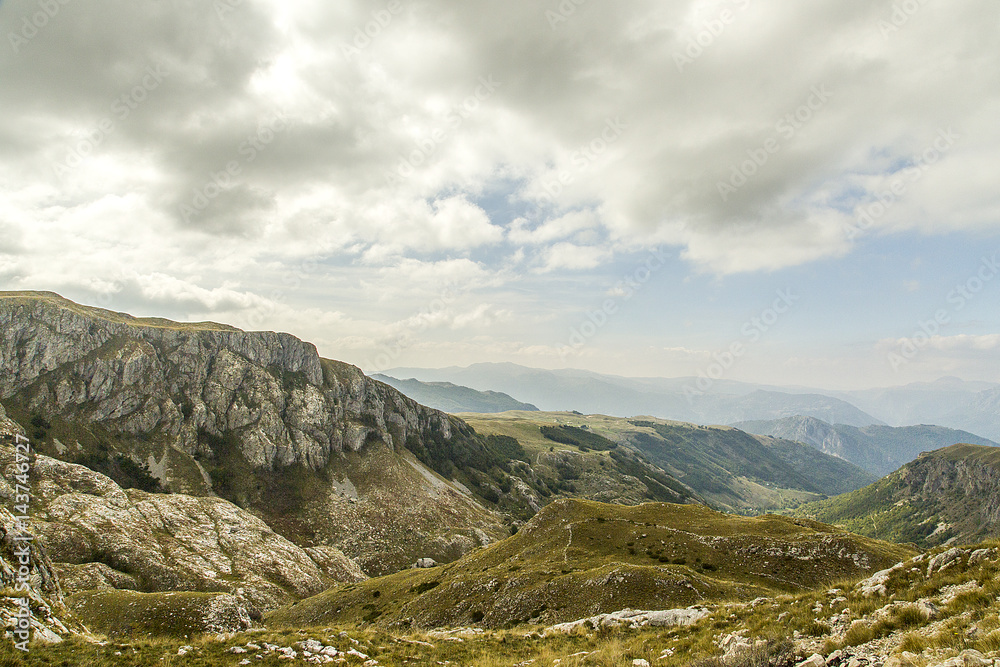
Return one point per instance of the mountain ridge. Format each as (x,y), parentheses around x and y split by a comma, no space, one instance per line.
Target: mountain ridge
(666,398)
(878,449)
(255,417)
(452,398)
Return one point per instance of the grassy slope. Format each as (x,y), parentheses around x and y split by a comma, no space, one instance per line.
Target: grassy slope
(51,298)
(610,476)
(731,469)
(891,510)
(579,558)
(970,621)
(128,612)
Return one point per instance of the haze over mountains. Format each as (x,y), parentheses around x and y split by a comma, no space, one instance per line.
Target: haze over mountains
(454,398)
(949,402)
(878,449)
(668,398)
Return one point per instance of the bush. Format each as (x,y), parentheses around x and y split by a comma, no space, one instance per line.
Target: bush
(507,448)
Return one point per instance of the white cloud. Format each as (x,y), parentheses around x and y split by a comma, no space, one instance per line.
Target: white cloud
(573,257)
(408,165)
(552,230)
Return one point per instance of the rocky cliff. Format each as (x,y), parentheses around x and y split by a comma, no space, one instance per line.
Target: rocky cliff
(90,534)
(181,382)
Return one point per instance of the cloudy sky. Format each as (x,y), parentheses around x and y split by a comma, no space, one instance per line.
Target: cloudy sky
(638,187)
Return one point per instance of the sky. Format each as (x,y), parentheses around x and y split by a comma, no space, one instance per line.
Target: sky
(770,191)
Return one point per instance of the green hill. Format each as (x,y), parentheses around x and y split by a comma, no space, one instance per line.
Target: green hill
(578,558)
(950,495)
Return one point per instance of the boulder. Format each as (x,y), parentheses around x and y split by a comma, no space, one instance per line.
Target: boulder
(945,560)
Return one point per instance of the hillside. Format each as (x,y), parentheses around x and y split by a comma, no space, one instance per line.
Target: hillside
(578,558)
(948,496)
(730,469)
(452,398)
(878,449)
(724,402)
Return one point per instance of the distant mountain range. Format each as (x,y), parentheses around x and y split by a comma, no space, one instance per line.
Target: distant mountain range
(679,399)
(951,402)
(948,402)
(453,398)
(877,449)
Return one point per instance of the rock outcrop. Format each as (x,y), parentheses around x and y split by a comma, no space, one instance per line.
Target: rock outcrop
(101,536)
(27,572)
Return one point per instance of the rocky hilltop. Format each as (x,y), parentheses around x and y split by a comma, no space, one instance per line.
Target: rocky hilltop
(321,453)
(948,496)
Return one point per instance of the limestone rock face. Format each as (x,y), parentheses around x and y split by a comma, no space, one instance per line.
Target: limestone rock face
(106,537)
(144,377)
